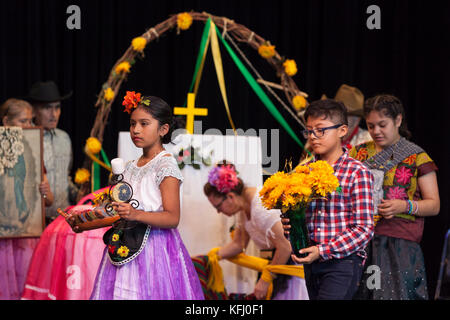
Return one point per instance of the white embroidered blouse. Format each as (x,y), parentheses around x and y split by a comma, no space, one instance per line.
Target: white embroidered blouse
(145,180)
(259,227)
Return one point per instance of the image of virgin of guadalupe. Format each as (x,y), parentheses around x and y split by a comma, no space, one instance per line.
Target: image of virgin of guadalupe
(18,177)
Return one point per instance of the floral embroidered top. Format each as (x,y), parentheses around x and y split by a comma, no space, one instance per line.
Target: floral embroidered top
(400,183)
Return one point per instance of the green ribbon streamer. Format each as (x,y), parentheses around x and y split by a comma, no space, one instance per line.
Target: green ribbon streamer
(97,180)
(96,174)
(259,91)
(105,158)
(200,55)
(252,82)
(96,183)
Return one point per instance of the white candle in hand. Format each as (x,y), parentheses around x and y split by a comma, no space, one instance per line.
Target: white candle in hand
(117,166)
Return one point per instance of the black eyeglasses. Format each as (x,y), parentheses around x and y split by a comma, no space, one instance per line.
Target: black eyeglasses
(220,204)
(319,132)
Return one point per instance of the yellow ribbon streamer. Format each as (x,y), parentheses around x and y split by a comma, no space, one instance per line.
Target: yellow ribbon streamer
(94,158)
(215,279)
(219,70)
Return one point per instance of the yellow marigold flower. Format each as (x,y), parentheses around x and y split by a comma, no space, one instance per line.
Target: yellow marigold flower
(123,67)
(299,102)
(108,94)
(266,51)
(99,197)
(123,251)
(301,184)
(323,178)
(273,189)
(290,67)
(302,169)
(289,201)
(82,176)
(139,44)
(115,237)
(306,182)
(184,20)
(93,145)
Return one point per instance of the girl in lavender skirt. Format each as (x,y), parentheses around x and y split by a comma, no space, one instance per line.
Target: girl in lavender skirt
(145,257)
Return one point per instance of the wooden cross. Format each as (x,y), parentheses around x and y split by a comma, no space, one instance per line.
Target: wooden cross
(190,112)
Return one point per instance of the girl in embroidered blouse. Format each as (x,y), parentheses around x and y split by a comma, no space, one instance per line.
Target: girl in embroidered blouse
(228,195)
(158,266)
(410,193)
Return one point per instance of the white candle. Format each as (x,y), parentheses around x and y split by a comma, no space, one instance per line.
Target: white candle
(117,166)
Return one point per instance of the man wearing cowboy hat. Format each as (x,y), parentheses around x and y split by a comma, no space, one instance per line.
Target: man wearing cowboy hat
(46,101)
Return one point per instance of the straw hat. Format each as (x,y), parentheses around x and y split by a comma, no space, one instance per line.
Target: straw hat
(352,98)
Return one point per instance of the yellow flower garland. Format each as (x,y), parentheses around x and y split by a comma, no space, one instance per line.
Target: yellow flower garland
(184,20)
(82,176)
(266,51)
(93,145)
(139,44)
(290,67)
(299,102)
(123,67)
(108,94)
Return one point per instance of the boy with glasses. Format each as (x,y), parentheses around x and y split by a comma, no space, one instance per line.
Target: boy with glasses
(339,227)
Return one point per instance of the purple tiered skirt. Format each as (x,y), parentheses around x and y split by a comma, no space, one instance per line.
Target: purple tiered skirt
(162,271)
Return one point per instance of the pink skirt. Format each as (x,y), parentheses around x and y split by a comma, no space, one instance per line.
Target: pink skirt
(64,263)
(15,257)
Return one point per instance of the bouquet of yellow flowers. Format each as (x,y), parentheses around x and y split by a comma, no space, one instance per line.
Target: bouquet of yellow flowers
(292,192)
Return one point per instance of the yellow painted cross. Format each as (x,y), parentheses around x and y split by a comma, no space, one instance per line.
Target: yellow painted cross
(190,112)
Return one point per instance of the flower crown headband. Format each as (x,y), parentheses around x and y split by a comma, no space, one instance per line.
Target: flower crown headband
(224,178)
(132,100)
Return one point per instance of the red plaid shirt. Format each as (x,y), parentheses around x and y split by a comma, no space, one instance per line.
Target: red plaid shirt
(343,224)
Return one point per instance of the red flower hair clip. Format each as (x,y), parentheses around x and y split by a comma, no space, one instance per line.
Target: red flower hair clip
(132,100)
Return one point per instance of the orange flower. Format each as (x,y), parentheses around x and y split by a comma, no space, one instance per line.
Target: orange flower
(123,67)
(82,176)
(184,20)
(108,94)
(410,160)
(139,44)
(362,154)
(131,101)
(266,50)
(290,67)
(299,102)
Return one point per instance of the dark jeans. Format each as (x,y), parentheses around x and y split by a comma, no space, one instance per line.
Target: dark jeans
(335,279)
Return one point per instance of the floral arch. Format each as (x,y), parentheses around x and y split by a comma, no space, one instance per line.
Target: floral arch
(231,31)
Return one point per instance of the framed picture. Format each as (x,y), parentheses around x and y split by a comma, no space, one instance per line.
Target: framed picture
(22,211)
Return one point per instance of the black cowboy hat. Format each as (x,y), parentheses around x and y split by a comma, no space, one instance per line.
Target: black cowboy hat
(46,92)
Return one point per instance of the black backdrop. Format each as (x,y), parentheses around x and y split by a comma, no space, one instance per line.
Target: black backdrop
(329,40)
